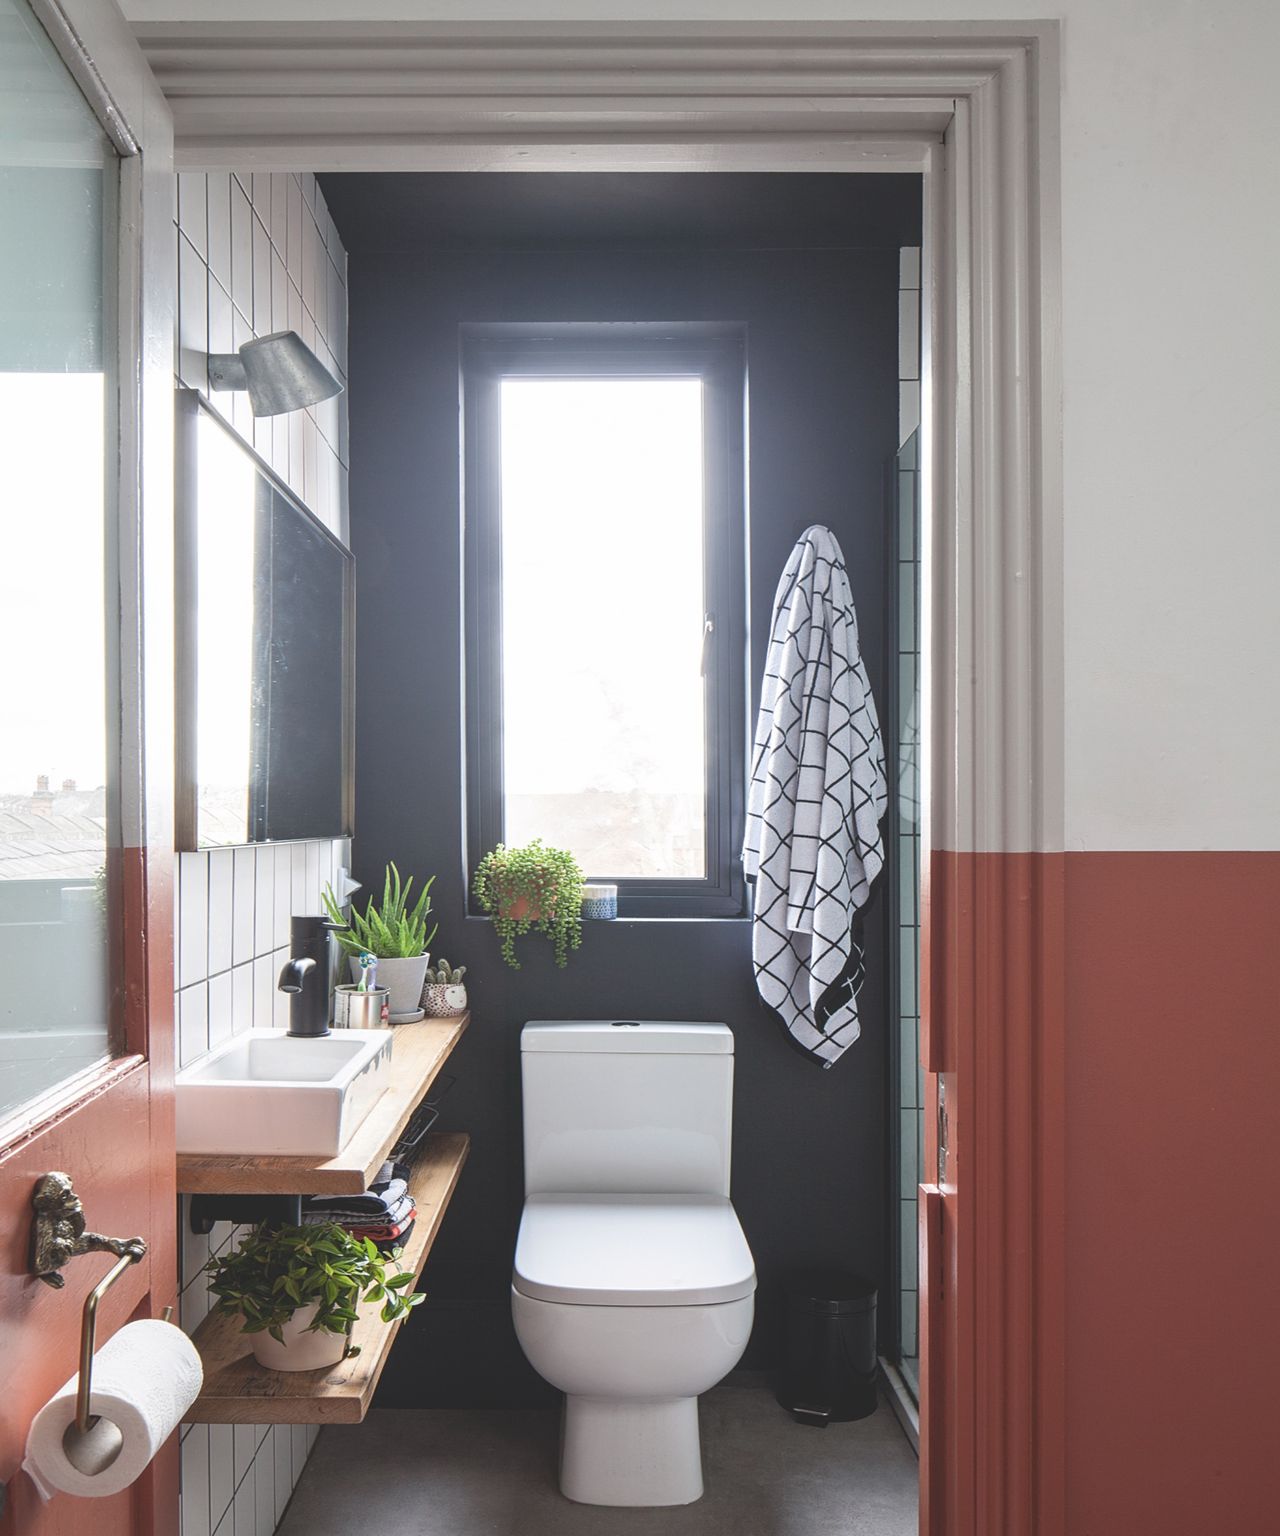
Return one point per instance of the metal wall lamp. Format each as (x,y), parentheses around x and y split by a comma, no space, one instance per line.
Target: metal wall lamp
(280,372)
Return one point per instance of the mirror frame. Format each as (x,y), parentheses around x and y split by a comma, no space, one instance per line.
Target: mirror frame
(190,404)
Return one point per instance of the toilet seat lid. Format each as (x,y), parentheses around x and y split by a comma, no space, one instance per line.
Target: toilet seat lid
(610,1250)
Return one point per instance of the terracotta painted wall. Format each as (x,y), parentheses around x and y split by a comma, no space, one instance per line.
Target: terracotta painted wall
(1173,1246)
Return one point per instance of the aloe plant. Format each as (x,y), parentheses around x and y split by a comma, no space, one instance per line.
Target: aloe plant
(393,931)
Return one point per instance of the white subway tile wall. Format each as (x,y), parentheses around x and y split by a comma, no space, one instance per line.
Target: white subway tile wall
(255,253)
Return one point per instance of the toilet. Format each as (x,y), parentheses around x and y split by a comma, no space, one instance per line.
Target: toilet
(633,1288)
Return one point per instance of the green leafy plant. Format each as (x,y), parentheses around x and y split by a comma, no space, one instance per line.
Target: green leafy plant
(393,931)
(446,975)
(534,887)
(277,1271)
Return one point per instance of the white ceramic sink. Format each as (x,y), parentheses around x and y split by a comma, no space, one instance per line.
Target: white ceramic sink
(267,1094)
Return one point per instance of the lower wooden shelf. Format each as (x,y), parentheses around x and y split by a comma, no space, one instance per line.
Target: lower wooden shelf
(237,1390)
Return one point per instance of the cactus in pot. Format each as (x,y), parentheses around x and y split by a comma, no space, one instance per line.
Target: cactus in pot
(443,994)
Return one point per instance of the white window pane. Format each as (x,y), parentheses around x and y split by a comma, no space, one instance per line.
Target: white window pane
(602,619)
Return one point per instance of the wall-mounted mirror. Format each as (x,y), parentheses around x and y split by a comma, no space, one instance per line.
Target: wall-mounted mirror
(265,650)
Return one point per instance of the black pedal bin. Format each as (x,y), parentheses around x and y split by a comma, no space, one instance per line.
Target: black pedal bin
(829,1365)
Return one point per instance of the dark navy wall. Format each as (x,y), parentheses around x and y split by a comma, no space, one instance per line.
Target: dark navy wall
(810,1164)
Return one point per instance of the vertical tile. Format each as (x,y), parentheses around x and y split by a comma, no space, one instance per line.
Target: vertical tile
(243,912)
(908,334)
(307,181)
(195,1481)
(909,266)
(193,215)
(296,312)
(246,1443)
(284,895)
(193,938)
(264,899)
(908,409)
(193,1023)
(241,251)
(219,209)
(294,229)
(193,316)
(314,883)
(264,992)
(279,209)
(222,1480)
(908,1051)
(260,196)
(241,412)
(264,1477)
(908,1164)
(246,1506)
(221,329)
(907,1244)
(221,899)
(313,1434)
(279,294)
(298,896)
(242,997)
(193,1306)
(280,1000)
(261,279)
(194,1245)
(282,1453)
(221,1014)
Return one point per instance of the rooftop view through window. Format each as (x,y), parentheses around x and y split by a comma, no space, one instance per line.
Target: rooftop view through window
(603,608)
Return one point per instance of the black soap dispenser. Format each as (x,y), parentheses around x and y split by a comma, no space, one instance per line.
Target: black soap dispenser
(305,977)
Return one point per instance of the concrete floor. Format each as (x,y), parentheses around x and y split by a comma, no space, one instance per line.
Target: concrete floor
(442,1472)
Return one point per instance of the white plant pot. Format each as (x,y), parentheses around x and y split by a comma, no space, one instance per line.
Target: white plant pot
(403,979)
(301,1351)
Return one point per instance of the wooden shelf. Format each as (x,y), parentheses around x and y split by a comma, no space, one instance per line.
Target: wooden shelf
(419,1052)
(237,1390)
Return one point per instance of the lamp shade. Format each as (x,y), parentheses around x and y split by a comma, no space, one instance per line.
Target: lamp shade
(280,372)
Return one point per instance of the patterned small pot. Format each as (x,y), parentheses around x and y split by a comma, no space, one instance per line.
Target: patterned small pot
(443,999)
(600,901)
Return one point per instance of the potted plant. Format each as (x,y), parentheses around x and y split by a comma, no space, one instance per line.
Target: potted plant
(297,1290)
(534,887)
(444,995)
(396,934)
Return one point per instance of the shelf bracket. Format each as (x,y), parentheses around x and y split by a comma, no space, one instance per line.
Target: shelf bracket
(251,1210)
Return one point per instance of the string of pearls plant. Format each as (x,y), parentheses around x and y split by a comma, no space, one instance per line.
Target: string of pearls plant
(531,888)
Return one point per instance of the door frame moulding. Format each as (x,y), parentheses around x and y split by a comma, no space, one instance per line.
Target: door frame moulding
(974,108)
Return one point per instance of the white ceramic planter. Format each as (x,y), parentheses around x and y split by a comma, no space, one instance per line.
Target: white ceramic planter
(301,1351)
(403,979)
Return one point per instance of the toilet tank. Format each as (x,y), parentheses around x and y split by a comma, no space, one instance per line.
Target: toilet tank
(626,1107)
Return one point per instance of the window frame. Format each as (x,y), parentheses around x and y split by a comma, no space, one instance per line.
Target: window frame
(716,353)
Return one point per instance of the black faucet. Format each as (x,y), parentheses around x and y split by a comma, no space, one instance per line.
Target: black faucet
(305,977)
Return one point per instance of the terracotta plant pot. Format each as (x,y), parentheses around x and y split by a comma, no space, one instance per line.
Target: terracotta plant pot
(301,1351)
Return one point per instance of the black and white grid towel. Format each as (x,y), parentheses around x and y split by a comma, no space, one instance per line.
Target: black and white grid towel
(817,795)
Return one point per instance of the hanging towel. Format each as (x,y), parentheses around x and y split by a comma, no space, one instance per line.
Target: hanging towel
(817,795)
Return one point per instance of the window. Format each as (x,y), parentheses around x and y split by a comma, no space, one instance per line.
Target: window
(606,630)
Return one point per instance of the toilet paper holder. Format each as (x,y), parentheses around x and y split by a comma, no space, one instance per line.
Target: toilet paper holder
(92,1443)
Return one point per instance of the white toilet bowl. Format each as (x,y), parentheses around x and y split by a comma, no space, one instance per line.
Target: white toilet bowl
(631,1378)
(633,1288)
(632,1306)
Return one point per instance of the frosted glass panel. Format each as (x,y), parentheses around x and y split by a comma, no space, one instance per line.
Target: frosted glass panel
(58,178)
(603,604)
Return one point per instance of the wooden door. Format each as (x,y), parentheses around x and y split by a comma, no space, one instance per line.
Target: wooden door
(86,862)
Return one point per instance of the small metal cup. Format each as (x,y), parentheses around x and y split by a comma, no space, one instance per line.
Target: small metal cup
(353,1009)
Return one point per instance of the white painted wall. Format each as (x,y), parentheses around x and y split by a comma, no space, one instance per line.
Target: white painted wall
(1171,231)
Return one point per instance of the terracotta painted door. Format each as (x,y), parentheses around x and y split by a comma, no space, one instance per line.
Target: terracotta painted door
(86,1033)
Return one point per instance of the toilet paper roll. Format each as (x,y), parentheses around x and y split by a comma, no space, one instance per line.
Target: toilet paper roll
(144,1379)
